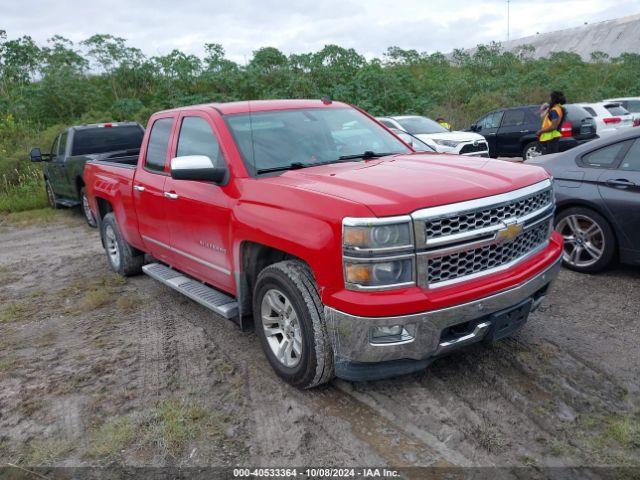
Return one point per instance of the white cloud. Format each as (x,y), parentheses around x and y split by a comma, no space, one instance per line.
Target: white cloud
(241,26)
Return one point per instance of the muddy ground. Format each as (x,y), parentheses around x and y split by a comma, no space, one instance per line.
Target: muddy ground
(97,370)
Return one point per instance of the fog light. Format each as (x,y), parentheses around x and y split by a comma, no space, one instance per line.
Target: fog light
(390,334)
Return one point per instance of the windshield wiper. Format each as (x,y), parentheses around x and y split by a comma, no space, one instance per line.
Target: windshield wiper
(291,166)
(365,155)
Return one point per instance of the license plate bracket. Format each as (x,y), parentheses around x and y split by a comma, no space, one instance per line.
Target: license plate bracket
(505,322)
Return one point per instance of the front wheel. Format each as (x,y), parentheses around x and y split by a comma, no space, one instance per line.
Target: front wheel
(86,209)
(531,151)
(122,257)
(289,320)
(589,242)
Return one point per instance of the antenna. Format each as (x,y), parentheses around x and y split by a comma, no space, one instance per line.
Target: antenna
(508,15)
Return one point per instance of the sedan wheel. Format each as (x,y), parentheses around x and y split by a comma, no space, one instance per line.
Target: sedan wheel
(281,328)
(584,240)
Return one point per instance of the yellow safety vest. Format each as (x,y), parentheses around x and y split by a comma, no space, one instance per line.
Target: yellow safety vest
(546,123)
(445,125)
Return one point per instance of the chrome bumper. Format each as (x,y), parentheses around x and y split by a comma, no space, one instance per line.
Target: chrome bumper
(351,335)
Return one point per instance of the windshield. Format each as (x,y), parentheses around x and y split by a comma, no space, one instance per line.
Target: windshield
(306,137)
(420,125)
(106,139)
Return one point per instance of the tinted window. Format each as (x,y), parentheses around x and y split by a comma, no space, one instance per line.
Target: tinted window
(158,144)
(632,158)
(603,157)
(574,112)
(616,110)
(490,121)
(632,106)
(197,138)
(276,139)
(62,147)
(54,147)
(591,111)
(513,117)
(421,125)
(106,139)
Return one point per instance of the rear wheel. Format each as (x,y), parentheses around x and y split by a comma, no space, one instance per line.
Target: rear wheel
(289,320)
(51,197)
(122,257)
(531,150)
(589,242)
(86,209)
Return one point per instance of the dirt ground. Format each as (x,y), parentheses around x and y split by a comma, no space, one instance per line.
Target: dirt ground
(97,370)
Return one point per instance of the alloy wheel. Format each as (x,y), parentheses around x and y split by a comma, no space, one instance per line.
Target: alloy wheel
(281,328)
(112,246)
(532,152)
(584,240)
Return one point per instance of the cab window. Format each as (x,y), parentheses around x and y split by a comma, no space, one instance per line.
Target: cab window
(513,118)
(197,138)
(62,146)
(158,144)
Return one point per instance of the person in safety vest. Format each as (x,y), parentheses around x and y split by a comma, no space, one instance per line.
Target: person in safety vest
(443,123)
(549,133)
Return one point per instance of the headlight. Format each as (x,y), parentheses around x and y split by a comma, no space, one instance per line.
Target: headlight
(447,143)
(369,274)
(378,252)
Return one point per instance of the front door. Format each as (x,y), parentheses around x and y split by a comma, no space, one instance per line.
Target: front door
(148,189)
(620,191)
(487,126)
(512,129)
(199,212)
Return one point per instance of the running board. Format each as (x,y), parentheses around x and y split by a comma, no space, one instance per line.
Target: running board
(213,299)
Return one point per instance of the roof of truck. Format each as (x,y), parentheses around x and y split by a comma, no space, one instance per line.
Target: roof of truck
(231,108)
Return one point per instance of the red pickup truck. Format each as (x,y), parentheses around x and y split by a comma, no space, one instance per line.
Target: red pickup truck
(351,254)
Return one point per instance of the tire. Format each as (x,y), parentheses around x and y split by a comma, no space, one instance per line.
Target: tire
(290,287)
(531,150)
(86,210)
(51,196)
(122,257)
(589,241)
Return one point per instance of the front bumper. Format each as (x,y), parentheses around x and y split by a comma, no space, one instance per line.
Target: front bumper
(357,357)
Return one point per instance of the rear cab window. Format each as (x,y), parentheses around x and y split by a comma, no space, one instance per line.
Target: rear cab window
(88,141)
(158,144)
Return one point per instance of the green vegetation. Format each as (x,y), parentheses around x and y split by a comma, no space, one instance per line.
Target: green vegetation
(46,87)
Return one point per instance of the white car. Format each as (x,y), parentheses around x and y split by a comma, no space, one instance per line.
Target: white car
(438,137)
(610,117)
(632,104)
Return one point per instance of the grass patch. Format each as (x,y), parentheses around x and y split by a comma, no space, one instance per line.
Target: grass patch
(95,299)
(128,303)
(47,451)
(18,311)
(112,437)
(27,194)
(8,363)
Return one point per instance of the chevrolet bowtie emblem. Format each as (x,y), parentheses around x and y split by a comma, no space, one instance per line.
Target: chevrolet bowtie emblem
(509,232)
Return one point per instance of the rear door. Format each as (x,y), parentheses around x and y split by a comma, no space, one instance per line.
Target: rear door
(199,212)
(620,190)
(488,126)
(513,127)
(148,188)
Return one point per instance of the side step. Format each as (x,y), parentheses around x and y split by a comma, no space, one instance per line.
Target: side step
(213,299)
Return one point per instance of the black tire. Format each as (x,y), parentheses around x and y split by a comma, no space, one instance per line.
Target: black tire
(51,196)
(294,279)
(86,211)
(129,260)
(531,146)
(561,223)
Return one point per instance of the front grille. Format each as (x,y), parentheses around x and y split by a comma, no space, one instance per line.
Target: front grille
(470,148)
(469,262)
(487,217)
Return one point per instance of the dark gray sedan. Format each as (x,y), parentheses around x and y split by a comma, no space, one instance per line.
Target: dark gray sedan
(597,187)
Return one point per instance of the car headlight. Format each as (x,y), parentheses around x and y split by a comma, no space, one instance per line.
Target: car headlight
(447,143)
(378,252)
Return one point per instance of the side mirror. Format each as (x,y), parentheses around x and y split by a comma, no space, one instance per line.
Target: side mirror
(475,128)
(36,155)
(197,167)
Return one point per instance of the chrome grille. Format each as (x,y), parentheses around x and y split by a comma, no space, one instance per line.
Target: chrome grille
(450,225)
(470,262)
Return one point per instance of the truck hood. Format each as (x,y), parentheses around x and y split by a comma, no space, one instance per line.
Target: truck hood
(401,184)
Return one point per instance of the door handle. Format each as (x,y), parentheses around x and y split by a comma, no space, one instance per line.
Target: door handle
(620,183)
(523,131)
(171,195)
(139,188)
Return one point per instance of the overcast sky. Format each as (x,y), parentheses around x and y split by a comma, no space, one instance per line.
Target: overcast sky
(296,26)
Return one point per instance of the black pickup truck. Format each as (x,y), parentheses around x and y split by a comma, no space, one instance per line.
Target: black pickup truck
(63,171)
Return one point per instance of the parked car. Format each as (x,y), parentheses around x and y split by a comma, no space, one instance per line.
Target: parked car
(631,104)
(610,117)
(354,255)
(597,189)
(64,167)
(438,137)
(511,132)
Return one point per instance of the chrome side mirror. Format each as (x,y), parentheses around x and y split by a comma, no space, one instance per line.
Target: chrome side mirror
(197,167)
